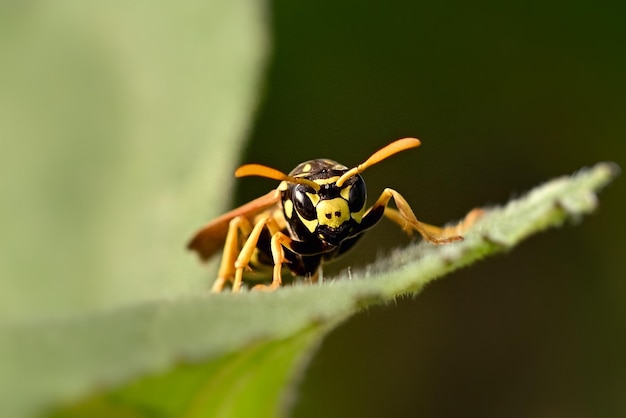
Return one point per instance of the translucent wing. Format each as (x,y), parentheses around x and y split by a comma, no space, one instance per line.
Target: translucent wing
(210,238)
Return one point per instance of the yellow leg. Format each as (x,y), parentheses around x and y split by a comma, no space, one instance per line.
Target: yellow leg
(467,222)
(218,285)
(246,252)
(279,241)
(249,247)
(226,272)
(316,276)
(405,217)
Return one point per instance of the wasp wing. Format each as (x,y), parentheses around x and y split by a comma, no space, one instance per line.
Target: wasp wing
(211,237)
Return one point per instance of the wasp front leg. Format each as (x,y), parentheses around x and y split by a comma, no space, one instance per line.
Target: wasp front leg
(405,217)
(238,225)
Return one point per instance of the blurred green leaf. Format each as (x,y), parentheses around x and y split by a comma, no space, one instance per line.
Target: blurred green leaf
(249,382)
(121,124)
(236,341)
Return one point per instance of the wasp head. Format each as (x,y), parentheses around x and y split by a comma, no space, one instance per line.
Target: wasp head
(326,210)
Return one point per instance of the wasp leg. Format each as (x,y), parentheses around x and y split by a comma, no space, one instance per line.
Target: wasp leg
(243,259)
(467,222)
(245,255)
(450,231)
(405,217)
(279,241)
(226,272)
(317,276)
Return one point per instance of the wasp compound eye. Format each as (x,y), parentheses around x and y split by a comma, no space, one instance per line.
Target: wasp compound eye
(358,194)
(303,202)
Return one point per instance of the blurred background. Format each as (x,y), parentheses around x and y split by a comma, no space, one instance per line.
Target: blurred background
(503,96)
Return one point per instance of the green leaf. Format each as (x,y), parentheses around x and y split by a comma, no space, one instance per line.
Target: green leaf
(121,123)
(233,352)
(245,383)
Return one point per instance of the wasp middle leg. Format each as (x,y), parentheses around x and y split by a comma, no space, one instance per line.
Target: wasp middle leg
(278,243)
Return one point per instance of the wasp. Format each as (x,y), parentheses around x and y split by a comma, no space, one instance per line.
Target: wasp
(317,213)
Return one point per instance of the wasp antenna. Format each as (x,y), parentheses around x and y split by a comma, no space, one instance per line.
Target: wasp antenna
(382,154)
(271,173)
(259,170)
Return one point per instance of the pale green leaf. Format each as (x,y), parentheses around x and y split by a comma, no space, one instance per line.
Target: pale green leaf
(121,123)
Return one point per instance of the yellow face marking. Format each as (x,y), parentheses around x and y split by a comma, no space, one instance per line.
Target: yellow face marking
(326,181)
(345,193)
(333,212)
(357,216)
(307,167)
(283,186)
(314,198)
(288,205)
(310,225)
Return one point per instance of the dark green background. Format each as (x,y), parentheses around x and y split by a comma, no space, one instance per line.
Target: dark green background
(504,96)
